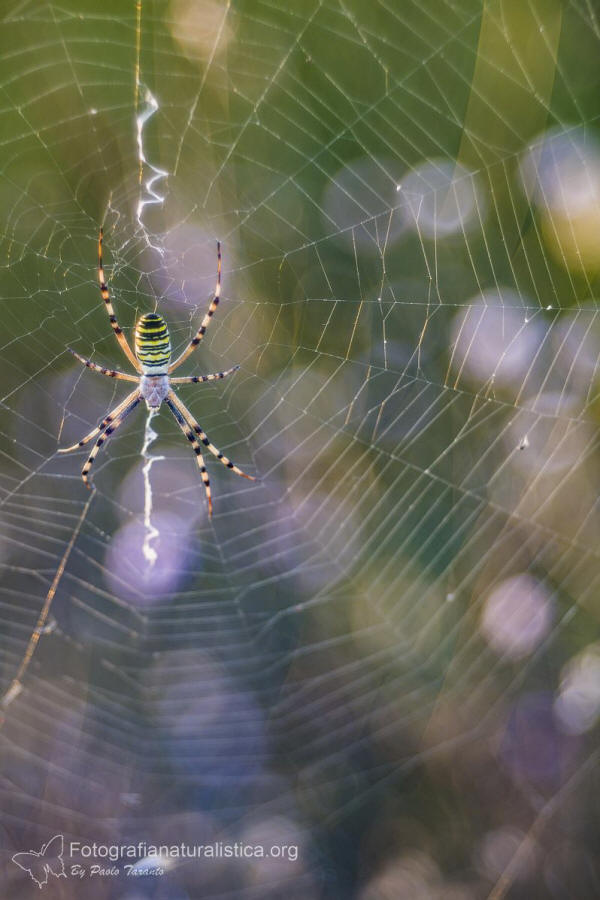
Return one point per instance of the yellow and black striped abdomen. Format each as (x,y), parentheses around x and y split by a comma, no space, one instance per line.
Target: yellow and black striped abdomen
(152,343)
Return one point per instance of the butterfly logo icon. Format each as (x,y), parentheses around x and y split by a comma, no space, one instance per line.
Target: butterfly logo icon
(48,861)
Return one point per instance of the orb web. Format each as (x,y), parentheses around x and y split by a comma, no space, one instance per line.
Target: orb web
(409,234)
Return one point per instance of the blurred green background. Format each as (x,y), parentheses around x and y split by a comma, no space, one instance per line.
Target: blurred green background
(383,651)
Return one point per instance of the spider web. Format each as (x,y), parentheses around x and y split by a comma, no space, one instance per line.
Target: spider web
(383,650)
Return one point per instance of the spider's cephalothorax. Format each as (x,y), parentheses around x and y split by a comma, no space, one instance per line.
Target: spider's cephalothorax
(152,362)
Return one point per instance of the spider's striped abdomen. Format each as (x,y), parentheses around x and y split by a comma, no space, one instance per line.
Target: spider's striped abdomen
(152,344)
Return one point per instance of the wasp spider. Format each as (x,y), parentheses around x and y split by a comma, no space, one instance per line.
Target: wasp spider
(152,360)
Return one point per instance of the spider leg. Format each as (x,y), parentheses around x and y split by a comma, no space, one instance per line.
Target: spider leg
(205,321)
(195,446)
(112,415)
(112,373)
(111,313)
(173,400)
(195,379)
(106,435)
